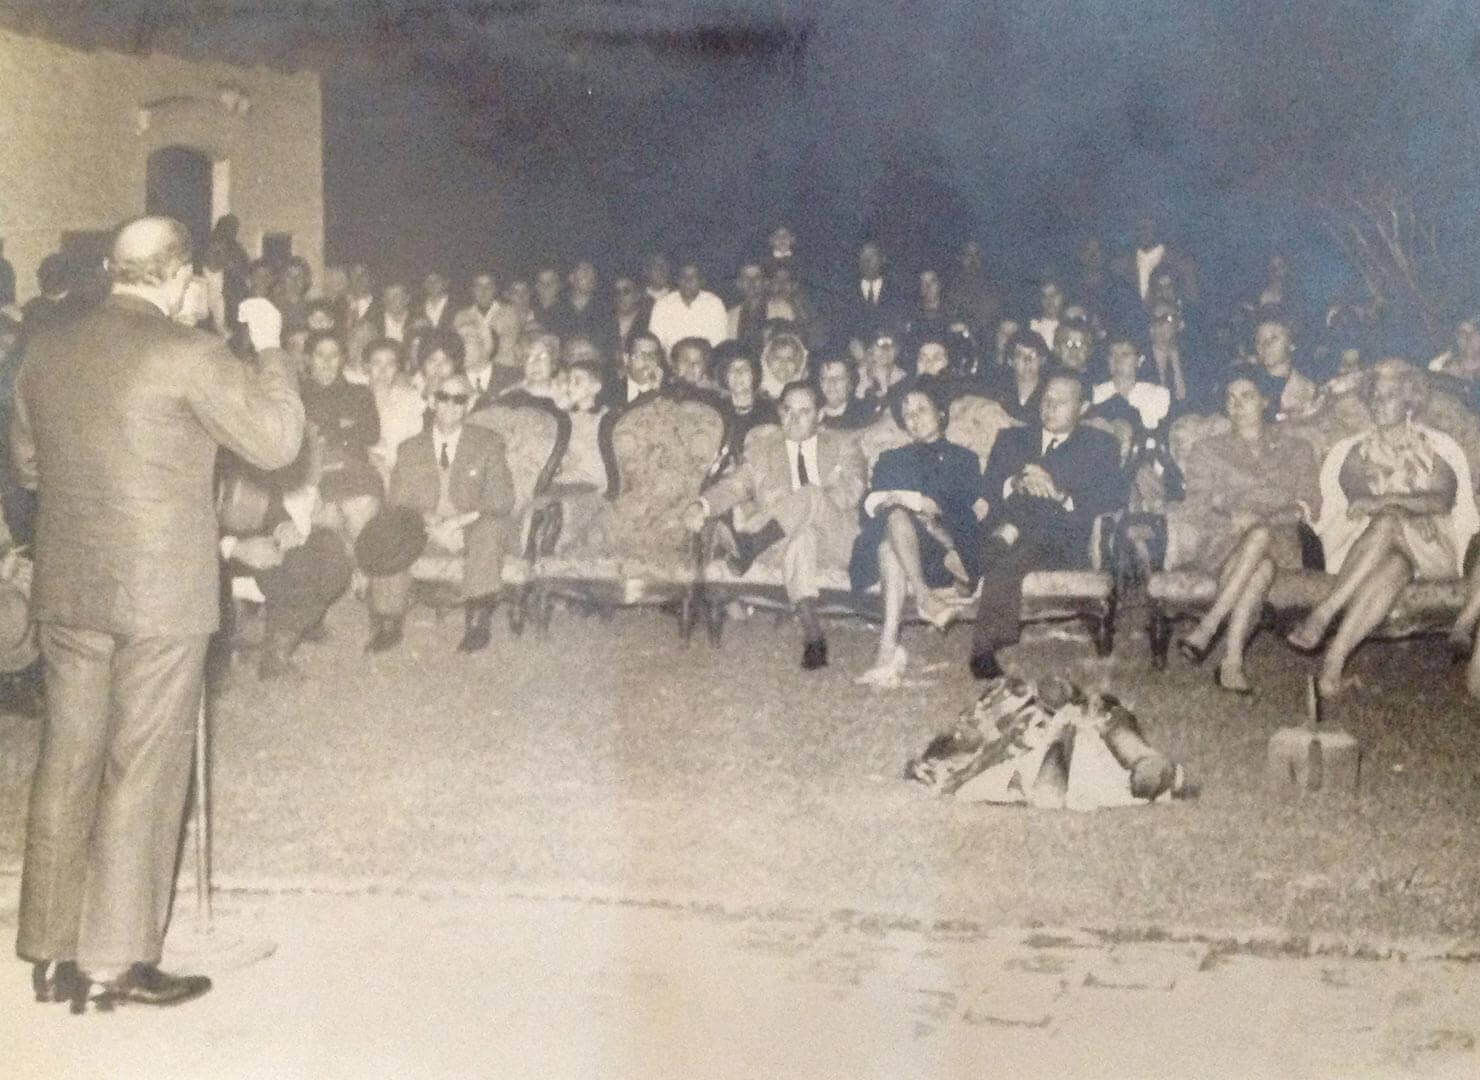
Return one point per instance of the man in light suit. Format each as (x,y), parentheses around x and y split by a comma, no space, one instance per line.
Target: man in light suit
(457,477)
(1044,486)
(800,485)
(118,417)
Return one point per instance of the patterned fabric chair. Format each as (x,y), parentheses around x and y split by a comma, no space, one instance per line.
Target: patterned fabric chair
(974,422)
(1425,607)
(658,452)
(535,435)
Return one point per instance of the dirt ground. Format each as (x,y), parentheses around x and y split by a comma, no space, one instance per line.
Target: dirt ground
(605,854)
(453,986)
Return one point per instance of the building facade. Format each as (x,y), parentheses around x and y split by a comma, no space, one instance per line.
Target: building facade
(91,137)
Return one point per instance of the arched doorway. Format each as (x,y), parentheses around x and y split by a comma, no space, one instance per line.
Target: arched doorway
(178,185)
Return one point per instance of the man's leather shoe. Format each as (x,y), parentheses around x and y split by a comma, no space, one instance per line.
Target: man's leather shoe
(145,984)
(984,665)
(387,635)
(60,981)
(749,546)
(814,654)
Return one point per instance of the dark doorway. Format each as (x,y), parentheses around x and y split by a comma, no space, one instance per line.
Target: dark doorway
(178,185)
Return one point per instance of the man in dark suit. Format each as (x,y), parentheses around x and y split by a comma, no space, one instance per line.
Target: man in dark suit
(1044,485)
(870,302)
(457,477)
(118,416)
(436,305)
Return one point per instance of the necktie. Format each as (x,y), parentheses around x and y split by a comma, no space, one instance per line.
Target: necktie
(802,478)
(1052,442)
(446,461)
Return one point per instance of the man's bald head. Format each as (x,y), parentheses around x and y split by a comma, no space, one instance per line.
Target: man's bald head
(148,251)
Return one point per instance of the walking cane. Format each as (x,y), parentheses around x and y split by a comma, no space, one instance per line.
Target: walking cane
(202,822)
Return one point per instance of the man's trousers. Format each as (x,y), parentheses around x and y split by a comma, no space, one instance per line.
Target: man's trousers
(109,796)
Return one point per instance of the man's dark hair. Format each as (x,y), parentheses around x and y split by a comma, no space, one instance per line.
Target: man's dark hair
(445,341)
(702,344)
(380,344)
(318,337)
(806,386)
(1028,339)
(54,275)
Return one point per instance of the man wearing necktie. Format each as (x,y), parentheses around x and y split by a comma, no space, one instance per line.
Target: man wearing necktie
(798,485)
(457,477)
(1044,485)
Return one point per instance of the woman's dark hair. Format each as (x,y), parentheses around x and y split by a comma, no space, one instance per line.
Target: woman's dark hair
(381,344)
(925,386)
(725,354)
(1255,374)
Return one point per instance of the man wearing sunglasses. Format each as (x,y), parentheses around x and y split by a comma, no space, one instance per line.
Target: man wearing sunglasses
(456,476)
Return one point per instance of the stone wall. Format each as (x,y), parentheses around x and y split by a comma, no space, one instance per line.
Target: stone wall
(77,129)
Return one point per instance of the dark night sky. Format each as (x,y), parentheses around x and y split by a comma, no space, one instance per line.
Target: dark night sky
(511,132)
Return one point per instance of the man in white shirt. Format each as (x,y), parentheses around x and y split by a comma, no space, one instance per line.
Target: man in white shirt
(689,311)
(799,485)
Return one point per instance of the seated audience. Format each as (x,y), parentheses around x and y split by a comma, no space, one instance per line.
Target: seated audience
(1050,309)
(744,408)
(300,567)
(1019,386)
(441,356)
(689,363)
(1073,348)
(399,406)
(348,425)
(541,363)
(1462,359)
(1045,484)
(1166,366)
(1274,352)
(689,311)
(783,362)
(1247,493)
(456,476)
(1125,396)
(800,487)
(642,371)
(1396,505)
(880,372)
(840,410)
(629,314)
(920,530)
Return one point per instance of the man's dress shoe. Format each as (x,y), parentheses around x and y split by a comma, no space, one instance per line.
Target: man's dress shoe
(143,984)
(60,981)
(814,654)
(984,665)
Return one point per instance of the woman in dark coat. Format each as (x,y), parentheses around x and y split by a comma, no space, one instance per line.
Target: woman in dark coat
(920,529)
(346,421)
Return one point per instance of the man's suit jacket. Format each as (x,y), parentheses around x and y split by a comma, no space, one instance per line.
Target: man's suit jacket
(860,318)
(1086,466)
(444,320)
(118,416)
(480,477)
(760,485)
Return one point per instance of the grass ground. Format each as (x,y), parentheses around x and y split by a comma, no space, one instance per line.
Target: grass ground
(610,759)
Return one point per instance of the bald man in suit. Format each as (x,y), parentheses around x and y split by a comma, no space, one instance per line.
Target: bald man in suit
(118,417)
